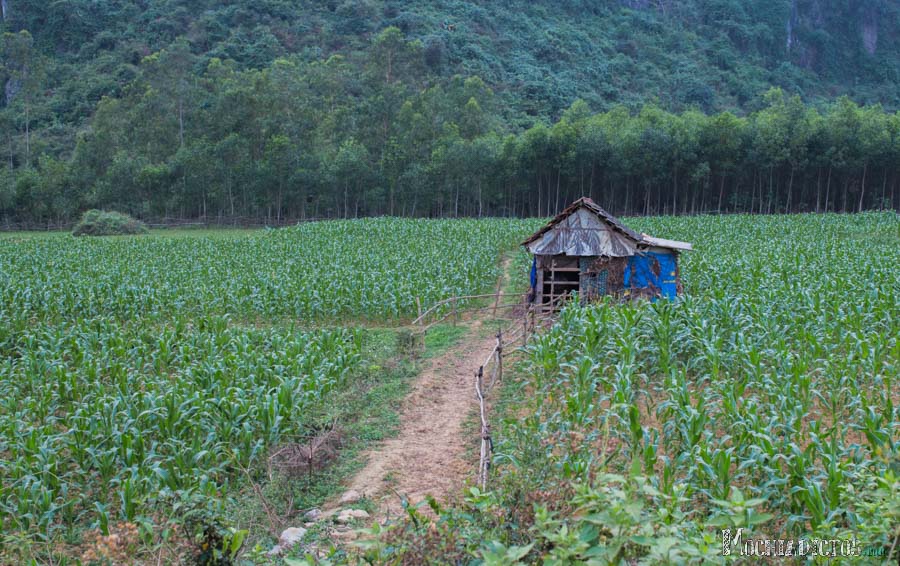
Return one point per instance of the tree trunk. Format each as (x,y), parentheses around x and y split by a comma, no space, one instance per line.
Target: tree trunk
(721,191)
(581,177)
(674,191)
(180,122)
(303,198)
(392,191)
(828,188)
(646,198)
(893,188)
(790,190)
(557,190)
(845,193)
(27,132)
(591,184)
(549,188)
(480,201)
(862,189)
(230,196)
(627,193)
(818,188)
(752,191)
(280,202)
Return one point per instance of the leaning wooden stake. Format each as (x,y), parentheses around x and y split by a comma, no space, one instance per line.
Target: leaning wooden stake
(500,354)
(525,327)
(532,319)
(485,461)
(309,464)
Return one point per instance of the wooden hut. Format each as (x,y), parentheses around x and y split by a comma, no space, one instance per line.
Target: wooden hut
(588,250)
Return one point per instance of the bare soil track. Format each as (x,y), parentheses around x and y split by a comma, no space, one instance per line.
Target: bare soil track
(428,455)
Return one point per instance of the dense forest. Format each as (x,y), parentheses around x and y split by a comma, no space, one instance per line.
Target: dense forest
(286,110)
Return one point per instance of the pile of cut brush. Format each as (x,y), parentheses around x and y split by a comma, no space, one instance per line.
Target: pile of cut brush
(312,453)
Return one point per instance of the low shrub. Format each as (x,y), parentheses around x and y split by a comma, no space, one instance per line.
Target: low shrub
(103,223)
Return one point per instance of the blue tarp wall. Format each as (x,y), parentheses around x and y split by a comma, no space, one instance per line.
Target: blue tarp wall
(639,273)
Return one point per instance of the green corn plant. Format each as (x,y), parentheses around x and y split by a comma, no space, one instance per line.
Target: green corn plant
(135,368)
(736,511)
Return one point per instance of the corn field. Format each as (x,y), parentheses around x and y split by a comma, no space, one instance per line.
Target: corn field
(140,371)
(350,270)
(102,421)
(137,371)
(776,375)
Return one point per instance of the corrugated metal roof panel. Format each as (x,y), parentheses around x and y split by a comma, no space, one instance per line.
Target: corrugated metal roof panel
(582,233)
(663,243)
(585,202)
(585,229)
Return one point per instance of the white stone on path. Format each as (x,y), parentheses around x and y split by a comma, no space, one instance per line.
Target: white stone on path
(351,496)
(289,537)
(348,515)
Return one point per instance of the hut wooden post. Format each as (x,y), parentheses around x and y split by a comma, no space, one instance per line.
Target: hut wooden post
(538,293)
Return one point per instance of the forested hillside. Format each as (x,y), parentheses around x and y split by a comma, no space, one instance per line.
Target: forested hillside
(277,109)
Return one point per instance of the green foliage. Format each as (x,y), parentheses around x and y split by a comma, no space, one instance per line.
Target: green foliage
(107,223)
(875,501)
(544,55)
(126,418)
(371,269)
(144,375)
(765,398)
(310,109)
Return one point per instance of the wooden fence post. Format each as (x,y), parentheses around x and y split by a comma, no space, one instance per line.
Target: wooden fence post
(419,310)
(479,391)
(525,327)
(455,313)
(500,354)
(309,464)
(532,320)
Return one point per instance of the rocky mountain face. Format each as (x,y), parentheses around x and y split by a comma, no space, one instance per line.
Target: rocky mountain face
(826,36)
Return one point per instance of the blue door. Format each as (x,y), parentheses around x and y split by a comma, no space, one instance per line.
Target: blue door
(667,269)
(652,268)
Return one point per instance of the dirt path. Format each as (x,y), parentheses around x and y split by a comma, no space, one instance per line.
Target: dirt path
(429,454)
(427,457)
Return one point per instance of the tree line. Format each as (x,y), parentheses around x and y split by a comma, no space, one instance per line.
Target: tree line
(382,134)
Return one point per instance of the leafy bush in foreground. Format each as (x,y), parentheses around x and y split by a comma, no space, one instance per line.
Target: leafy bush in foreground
(103,223)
